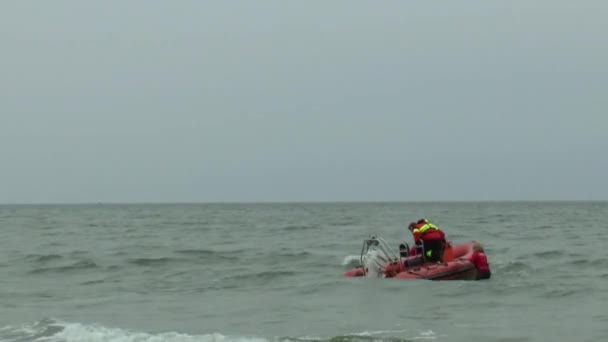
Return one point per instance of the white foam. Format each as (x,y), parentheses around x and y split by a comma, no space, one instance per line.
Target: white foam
(76,332)
(379,332)
(351,259)
(55,331)
(24,329)
(426,335)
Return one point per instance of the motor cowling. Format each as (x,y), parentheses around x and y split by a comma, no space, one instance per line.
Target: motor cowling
(374,263)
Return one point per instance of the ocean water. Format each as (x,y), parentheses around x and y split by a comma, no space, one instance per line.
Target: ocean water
(274,272)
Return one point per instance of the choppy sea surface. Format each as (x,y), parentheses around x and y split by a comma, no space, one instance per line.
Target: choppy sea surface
(274,272)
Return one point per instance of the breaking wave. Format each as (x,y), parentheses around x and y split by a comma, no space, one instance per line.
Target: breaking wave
(56,331)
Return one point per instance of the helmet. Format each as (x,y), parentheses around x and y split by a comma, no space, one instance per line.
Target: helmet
(411,225)
(423,221)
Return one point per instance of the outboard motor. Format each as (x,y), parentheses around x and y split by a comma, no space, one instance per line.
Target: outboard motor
(376,256)
(374,263)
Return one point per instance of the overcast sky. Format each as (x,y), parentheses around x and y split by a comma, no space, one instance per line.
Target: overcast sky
(164,101)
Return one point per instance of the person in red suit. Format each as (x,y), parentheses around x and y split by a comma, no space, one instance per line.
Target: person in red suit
(480,261)
(430,237)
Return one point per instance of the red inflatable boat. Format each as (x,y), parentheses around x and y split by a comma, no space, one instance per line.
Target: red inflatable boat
(378,260)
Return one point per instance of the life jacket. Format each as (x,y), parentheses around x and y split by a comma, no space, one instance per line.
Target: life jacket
(425,230)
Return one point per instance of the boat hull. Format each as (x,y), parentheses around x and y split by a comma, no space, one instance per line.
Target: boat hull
(456,266)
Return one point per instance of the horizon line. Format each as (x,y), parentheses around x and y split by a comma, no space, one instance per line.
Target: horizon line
(307,202)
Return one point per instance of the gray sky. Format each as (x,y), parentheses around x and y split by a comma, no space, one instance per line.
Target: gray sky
(161,101)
